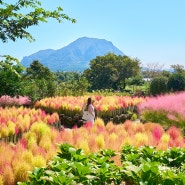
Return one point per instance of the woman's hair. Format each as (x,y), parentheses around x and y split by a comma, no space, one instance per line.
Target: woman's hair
(89,101)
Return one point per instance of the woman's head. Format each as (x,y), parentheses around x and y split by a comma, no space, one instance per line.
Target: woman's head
(89,101)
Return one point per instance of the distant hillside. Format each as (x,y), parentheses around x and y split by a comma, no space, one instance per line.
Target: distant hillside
(74,57)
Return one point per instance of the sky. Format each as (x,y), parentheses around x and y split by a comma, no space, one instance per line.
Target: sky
(152,31)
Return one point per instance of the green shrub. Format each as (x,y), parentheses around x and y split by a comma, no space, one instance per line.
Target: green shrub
(176,82)
(158,86)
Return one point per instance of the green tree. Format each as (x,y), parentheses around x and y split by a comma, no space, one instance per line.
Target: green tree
(158,86)
(135,81)
(14,23)
(39,81)
(15,19)
(38,71)
(176,82)
(67,76)
(10,76)
(178,68)
(111,71)
(71,83)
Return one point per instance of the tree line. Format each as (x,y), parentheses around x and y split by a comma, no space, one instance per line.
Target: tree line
(109,72)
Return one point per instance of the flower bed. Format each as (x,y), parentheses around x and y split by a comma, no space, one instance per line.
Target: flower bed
(39,145)
(106,107)
(15,121)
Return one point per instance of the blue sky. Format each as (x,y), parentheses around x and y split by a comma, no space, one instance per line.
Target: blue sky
(151,30)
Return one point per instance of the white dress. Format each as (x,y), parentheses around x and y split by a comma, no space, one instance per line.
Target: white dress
(91,114)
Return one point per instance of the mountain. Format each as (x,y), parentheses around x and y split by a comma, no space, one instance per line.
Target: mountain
(74,57)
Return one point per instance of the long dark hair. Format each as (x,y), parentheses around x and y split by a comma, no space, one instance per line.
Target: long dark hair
(89,101)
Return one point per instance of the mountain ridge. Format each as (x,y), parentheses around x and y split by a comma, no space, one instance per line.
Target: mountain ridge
(75,56)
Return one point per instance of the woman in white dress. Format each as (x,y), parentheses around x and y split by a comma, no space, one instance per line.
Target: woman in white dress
(88,111)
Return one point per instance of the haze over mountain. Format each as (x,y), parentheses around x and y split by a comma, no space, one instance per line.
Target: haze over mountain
(74,57)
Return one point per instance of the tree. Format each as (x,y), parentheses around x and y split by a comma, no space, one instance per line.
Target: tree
(135,81)
(39,81)
(178,68)
(111,71)
(152,70)
(71,83)
(10,76)
(14,23)
(158,86)
(176,82)
(38,71)
(15,19)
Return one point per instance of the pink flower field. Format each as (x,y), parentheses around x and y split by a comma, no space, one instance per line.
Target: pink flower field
(165,109)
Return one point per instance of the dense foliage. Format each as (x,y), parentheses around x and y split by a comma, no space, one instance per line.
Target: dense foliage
(143,165)
(111,71)
(176,82)
(10,77)
(158,86)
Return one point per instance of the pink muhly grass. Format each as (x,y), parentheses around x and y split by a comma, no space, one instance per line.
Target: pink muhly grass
(172,117)
(171,103)
(23,100)
(11,101)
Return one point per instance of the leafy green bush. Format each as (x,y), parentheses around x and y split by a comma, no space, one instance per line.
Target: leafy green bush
(158,86)
(176,82)
(146,165)
(72,166)
(140,166)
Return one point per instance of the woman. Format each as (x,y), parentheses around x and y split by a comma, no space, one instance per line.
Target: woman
(88,111)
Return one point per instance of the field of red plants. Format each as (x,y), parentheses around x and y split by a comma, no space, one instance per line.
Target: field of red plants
(29,140)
